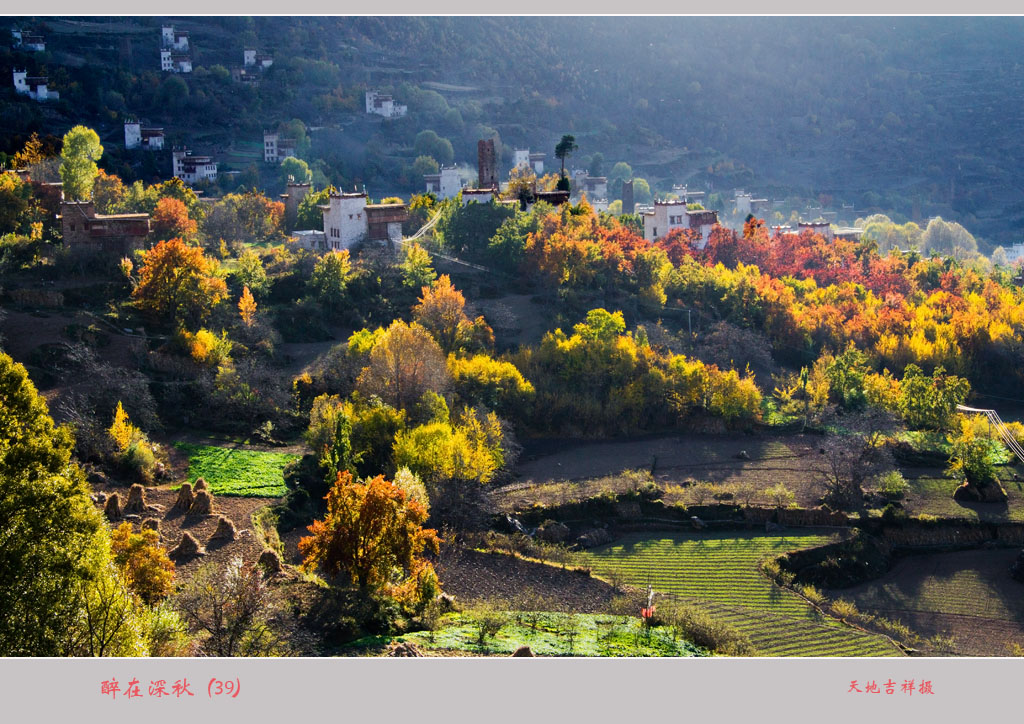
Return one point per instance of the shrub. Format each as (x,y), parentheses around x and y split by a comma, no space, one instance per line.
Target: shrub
(892,485)
(813,595)
(780,496)
(486,621)
(841,608)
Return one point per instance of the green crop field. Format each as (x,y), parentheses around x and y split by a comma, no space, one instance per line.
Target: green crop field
(595,635)
(721,571)
(228,471)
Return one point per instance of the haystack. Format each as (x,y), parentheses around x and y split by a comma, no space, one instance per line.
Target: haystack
(270,562)
(225,530)
(112,508)
(151,524)
(188,547)
(185,498)
(522,651)
(203,504)
(200,485)
(136,500)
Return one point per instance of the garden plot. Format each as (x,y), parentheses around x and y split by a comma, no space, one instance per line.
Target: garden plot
(232,471)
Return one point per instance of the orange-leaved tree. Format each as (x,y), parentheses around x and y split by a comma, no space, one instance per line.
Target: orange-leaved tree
(247,307)
(371,530)
(442,312)
(171,219)
(179,283)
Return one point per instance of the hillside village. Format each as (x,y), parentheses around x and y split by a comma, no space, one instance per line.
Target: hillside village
(581,411)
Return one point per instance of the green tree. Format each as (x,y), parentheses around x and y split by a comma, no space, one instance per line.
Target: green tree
(565,148)
(929,402)
(52,536)
(250,273)
(428,143)
(297,169)
(78,167)
(330,278)
(422,166)
(416,269)
(309,215)
(846,376)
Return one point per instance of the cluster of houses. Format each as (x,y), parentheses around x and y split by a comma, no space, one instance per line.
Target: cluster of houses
(175,55)
(35,87)
(24,40)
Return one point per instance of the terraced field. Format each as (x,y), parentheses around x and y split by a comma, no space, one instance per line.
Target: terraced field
(966,594)
(721,571)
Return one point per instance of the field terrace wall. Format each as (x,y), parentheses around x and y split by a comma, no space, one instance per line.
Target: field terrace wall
(945,534)
(636,511)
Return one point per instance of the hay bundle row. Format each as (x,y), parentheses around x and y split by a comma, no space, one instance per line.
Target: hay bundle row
(194,501)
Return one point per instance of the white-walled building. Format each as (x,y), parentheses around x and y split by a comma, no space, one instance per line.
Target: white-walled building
(685,194)
(595,187)
(822,228)
(172,62)
(138,136)
(479,196)
(521,159)
(310,239)
(344,220)
(253,59)
(349,219)
(668,216)
(193,169)
(746,204)
(35,87)
(174,40)
(382,104)
(1014,253)
(28,41)
(537,163)
(276,148)
(445,185)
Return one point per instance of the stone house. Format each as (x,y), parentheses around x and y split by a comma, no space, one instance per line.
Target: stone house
(83,229)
